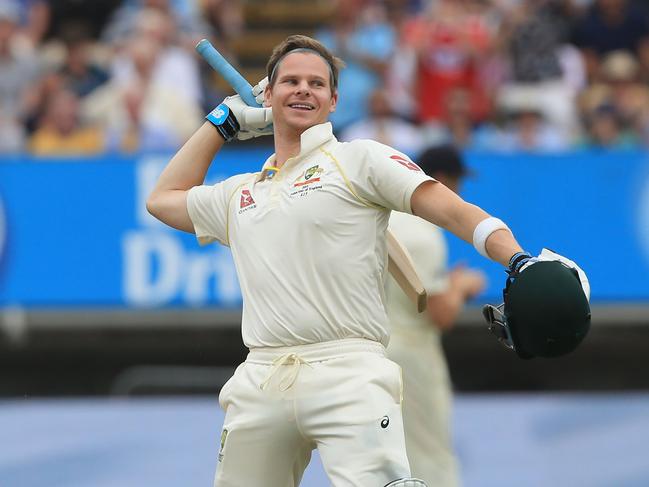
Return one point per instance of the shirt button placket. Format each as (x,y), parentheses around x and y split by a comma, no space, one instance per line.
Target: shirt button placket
(275,188)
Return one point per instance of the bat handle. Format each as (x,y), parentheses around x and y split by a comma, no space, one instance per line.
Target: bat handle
(227,71)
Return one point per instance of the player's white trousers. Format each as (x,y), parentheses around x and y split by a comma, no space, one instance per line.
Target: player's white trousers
(427,401)
(342,397)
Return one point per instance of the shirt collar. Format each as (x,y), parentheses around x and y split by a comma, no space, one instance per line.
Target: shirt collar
(314,137)
(311,139)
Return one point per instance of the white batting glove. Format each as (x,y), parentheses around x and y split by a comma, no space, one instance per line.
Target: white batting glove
(258,91)
(549,255)
(253,122)
(234,119)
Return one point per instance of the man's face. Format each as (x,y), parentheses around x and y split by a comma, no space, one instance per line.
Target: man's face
(301,96)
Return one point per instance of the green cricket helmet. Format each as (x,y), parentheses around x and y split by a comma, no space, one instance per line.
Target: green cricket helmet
(545,311)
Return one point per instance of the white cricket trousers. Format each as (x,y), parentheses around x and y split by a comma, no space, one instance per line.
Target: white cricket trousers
(342,397)
(427,402)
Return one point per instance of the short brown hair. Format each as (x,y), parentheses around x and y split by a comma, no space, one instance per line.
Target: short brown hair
(294,42)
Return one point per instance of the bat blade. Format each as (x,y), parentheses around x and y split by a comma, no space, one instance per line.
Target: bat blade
(403,270)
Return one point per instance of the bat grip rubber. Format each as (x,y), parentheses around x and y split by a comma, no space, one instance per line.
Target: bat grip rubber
(227,71)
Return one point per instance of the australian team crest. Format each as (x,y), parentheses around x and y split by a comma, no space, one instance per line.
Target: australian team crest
(311,175)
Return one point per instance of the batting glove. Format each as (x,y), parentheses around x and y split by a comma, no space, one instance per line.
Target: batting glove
(258,91)
(234,119)
(522,260)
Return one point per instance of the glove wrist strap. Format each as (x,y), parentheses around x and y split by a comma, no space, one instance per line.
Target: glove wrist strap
(224,121)
(516,261)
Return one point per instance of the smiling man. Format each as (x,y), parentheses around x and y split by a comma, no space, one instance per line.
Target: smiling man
(307,234)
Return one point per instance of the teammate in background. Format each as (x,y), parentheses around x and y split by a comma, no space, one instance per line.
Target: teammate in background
(415,340)
(307,234)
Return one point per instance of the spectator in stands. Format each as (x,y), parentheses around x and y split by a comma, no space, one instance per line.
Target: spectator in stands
(61,132)
(611,25)
(448,40)
(79,72)
(399,81)
(362,37)
(176,68)
(34,19)
(642,127)
(384,126)
(400,73)
(143,114)
(543,66)
(614,109)
(225,17)
(18,74)
(524,129)
(226,22)
(605,129)
(620,74)
(534,31)
(457,127)
(189,24)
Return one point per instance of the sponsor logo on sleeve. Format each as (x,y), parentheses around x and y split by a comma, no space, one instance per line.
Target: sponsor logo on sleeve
(406,162)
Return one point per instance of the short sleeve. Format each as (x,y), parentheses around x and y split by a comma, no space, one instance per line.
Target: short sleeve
(208,208)
(383,175)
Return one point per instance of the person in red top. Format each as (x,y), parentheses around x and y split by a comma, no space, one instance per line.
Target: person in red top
(449,39)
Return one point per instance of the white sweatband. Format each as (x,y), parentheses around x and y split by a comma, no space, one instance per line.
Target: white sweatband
(482,231)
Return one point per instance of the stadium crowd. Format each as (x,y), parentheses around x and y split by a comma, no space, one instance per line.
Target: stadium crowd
(496,75)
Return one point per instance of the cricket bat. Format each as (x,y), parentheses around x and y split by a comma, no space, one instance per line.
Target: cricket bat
(403,270)
(221,65)
(400,264)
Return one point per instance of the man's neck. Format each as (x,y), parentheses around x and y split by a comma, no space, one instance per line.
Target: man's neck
(287,145)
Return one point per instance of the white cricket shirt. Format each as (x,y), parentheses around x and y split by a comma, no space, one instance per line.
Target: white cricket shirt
(309,243)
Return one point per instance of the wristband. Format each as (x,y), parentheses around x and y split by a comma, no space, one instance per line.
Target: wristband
(482,231)
(224,122)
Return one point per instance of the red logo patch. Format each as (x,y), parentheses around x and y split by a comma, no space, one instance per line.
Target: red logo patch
(246,199)
(406,163)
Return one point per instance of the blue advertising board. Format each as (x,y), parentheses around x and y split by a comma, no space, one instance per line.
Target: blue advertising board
(76,234)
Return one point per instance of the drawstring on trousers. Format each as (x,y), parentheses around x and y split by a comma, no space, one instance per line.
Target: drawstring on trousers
(292,359)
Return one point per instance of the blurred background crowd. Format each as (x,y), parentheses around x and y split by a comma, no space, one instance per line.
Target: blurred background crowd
(494,75)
